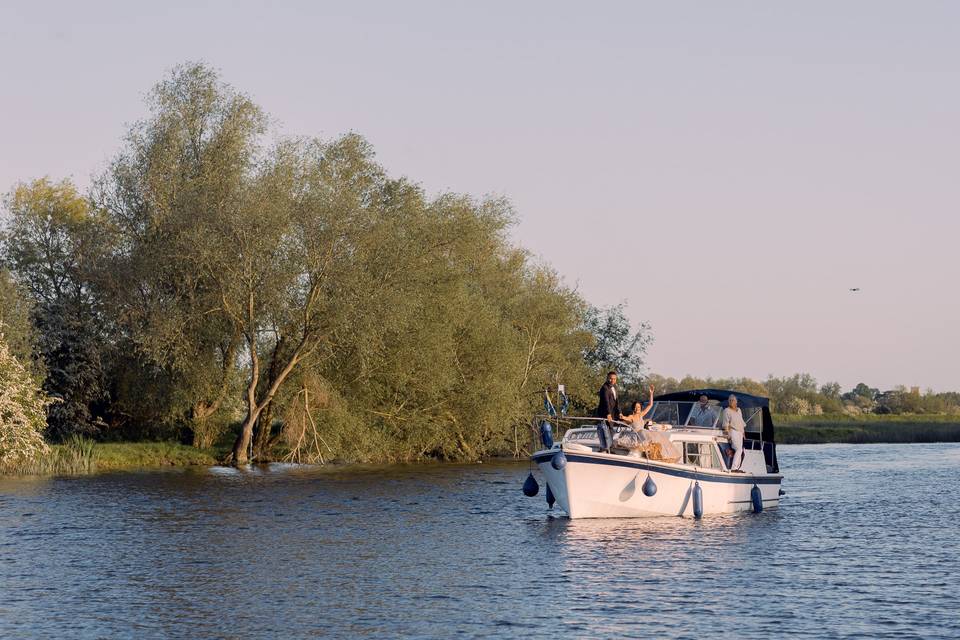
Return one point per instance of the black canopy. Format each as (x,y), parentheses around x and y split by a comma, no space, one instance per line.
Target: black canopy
(744,401)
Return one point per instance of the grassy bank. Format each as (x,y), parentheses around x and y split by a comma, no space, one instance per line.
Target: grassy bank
(135,455)
(867,429)
(80,455)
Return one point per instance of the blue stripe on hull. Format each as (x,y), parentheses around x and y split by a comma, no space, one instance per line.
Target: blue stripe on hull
(670,471)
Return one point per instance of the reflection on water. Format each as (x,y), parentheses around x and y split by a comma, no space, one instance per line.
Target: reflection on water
(864,545)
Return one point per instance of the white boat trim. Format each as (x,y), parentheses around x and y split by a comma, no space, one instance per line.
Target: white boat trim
(666,468)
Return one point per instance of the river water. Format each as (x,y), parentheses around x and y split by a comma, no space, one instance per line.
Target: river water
(865,545)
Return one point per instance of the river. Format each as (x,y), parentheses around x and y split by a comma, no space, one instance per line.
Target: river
(864,545)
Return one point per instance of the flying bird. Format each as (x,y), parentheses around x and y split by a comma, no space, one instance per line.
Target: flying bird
(855,289)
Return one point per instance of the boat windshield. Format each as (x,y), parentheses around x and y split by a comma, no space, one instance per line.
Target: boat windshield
(693,414)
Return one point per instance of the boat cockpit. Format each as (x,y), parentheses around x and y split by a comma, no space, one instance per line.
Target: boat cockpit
(679,429)
(694,415)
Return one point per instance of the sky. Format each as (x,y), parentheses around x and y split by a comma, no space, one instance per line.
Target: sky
(729,170)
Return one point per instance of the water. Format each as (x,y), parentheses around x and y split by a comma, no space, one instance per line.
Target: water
(865,546)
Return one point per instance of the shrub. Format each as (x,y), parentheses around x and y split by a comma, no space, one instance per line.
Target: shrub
(22,413)
(796,406)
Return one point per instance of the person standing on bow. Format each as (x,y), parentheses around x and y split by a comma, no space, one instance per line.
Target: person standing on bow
(734,425)
(608,406)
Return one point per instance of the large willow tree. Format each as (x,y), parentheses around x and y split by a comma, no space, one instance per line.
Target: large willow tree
(295,287)
(188,166)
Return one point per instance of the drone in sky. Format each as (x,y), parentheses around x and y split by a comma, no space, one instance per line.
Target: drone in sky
(855,289)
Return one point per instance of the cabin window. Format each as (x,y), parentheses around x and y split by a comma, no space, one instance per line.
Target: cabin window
(701,454)
(754,419)
(665,413)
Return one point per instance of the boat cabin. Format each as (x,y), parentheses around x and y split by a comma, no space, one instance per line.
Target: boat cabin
(683,411)
(695,431)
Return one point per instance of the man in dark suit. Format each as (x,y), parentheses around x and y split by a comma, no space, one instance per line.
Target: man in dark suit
(609,406)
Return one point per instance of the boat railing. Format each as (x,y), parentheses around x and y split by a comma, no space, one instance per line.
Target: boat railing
(561,425)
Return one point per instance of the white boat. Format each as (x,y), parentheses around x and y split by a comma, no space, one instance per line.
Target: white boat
(589,477)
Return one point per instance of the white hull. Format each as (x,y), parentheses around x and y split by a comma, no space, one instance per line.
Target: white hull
(603,485)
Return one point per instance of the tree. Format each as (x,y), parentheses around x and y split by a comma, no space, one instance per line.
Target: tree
(15,324)
(448,354)
(182,169)
(616,345)
(22,413)
(831,390)
(284,259)
(52,244)
(295,280)
(862,396)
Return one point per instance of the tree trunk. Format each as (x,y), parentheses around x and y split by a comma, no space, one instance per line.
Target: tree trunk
(201,438)
(242,444)
(261,433)
(255,408)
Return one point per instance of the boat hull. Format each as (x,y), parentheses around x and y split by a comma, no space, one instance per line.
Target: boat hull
(599,485)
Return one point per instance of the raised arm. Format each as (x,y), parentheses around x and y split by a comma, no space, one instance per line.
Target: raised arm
(649,406)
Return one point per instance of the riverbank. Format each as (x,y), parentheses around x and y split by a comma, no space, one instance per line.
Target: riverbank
(130,455)
(869,429)
(86,456)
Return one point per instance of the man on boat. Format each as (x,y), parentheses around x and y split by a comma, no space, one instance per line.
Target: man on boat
(702,414)
(734,425)
(609,406)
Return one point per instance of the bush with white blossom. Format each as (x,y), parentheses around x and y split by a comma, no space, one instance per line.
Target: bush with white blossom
(22,413)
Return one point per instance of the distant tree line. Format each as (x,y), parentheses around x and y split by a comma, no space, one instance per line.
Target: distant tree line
(800,394)
(219,284)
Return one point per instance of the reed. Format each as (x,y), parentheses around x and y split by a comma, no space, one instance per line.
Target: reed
(77,455)
(80,455)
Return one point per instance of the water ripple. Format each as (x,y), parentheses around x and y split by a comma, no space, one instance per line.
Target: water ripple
(864,546)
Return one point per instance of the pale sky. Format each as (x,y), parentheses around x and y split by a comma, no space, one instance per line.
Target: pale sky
(729,169)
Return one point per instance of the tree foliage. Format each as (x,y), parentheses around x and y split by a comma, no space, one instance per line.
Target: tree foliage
(22,413)
(617,346)
(219,275)
(52,245)
(15,323)
(800,395)
(181,171)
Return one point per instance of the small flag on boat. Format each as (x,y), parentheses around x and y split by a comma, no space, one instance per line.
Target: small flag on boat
(564,400)
(547,405)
